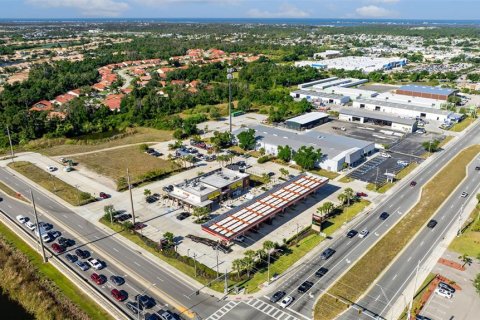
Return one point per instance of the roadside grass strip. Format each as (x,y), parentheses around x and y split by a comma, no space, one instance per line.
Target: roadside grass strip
(60,188)
(462,125)
(469,241)
(400,175)
(364,272)
(11,192)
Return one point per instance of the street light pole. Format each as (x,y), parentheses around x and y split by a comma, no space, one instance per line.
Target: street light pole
(38,227)
(11,146)
(409,313)
(195,263)
(225,289)
(268,268)
(230,77)
(131,197)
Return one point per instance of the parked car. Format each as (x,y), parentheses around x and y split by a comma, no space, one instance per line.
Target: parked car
(145,301)
(419,317)
(83,254)
(45,225)
(447,287)
(443,293)
(183,215)
(363,233)
(58,248)
(55,234)
(30,225)
(132,306)
(384,215)
(82,265)
(139,226)
(98,278)
(413,184)
(240,238)
(362,194)
(385,155)
(71,258)
(119,295)
(166,315)
(21,218)
(46,237)
(104,195)
(94,263)
(327,253)
(51,168)
(352,233)
(286,302)
(432,223)
(117,280)
(66,242)
(321,272)
(277,296)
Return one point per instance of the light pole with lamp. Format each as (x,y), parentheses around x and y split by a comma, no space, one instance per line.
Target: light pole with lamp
(229,78)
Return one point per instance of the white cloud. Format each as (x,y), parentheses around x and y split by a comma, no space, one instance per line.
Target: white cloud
(384,1)
(164,2)
(285,10)
(373,12)
(91,8)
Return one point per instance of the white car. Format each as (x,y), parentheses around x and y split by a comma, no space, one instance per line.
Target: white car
(46,237)
(94,263)
(21,218)
(464,194)
(443,293)
(385,155)
(67,169)
(286,302)
(51,168)
(30,225)
(363,233)
(240,238)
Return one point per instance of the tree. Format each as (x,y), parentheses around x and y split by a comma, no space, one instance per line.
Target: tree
(201,213)
(143,147)
(284,153)
(307,157)
(246,139)
(478,197)
(248,264)
(466,260)
(262,151)
(269,245)
(238,266)
(284,172)
(221,139)
(328,207)
(214,114)
(244,104)
(109,211)
(169,237)
(431,146)
(147,193)
(342,198)
(476,283)
(349,194)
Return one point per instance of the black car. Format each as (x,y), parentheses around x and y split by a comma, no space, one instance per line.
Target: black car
(321,272)
(117,280)
(352,233)
(152,316)
(45,225)
(71,257)
(145,301)
(150,199)
(83,254)
(182,216)
(327,253)
(446,287)
(432,223)
(384,215)
(124,217)
(66,242)
(304,287)
(419,317)
(277,296)
(133,307)
(477,168)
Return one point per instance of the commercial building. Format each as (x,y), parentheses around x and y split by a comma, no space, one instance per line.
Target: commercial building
(320,97)
(407,111)
(251,214)
(364,64)
(426,92)
(378,118)
(307,121)
(352,93)
(416,101)
(211,187)
(338,151)
(328,54)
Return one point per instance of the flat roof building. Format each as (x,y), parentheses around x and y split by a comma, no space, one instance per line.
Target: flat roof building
(426,92)
(307,120)
(350,63)
(252,213)
(378,118)
(204,190)
(410,100)
(352,93)
(337,150)
(321,97)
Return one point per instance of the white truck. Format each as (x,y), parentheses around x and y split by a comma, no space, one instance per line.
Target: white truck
(95,264)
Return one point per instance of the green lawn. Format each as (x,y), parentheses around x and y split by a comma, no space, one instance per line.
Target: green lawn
(325,173)
(469,242)
(51,183)
(368,268)
(346,215)
(11,192)
(462,125)
(46,270)
(345,179)
(388,185)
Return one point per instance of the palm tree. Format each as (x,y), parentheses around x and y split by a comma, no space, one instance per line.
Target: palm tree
(238,266)
(269,245)
(248,264)
(466,260)
(147,193)
(284,172)
(261,253)
(328,207)
(342,198)
(349,194)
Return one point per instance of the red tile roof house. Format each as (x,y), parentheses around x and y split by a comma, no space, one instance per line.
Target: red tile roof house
(177,82)
(63,98)
(42,105)
(99,86)
(75,92)
(113,101)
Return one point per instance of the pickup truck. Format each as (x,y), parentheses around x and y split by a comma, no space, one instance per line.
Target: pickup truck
(95,264)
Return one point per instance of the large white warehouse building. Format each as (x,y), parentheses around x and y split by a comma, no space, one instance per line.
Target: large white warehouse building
(364,64)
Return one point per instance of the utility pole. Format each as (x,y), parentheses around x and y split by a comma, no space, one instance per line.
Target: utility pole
(459,232)
(376,180)
(38,227)
(11,146)
(131,197)
(225,289)
(413,295)
(297,235)
(230,77)
(268,268)
(195,263)
(217,260)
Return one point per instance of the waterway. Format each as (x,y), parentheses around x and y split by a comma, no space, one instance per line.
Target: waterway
(11,310)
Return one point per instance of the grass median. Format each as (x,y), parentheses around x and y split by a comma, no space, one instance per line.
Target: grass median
(60,188)
(22,272)
(353,284)
(11,192)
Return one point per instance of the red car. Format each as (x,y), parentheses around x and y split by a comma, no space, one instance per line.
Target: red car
(58,248)
(98,278)
(413,184)
(104,195)
(119,295)
(361,194)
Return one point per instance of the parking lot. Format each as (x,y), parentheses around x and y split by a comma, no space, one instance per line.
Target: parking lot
(412,143)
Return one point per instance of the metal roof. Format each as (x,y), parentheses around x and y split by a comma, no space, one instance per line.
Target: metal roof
(428,90)
(308,117)
(377,115)
(240,219)
(378,102)
(318,94)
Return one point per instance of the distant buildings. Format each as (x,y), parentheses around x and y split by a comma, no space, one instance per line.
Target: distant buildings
(426,92)
(350,63)
(320,97)
(378,118)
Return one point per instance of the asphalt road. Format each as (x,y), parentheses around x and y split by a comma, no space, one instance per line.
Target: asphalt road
(140,271)
(349,250)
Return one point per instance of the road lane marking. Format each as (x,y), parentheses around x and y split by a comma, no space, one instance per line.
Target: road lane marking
(115,249)
(138,264)
(409,258)
(159,279)
(395,276)
(80,226)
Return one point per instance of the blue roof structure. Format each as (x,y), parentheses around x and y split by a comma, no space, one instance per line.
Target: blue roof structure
(428,90)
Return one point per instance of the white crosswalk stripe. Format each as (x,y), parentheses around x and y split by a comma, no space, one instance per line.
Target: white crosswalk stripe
(223,310)
(270,310)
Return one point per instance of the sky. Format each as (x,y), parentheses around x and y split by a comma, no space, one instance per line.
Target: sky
(362,9)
